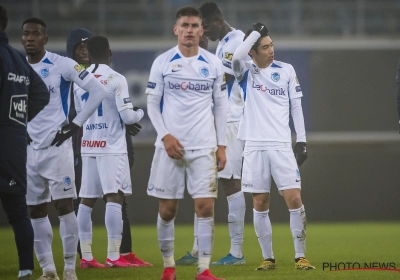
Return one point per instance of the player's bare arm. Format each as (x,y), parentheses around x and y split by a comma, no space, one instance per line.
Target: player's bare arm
(173,147)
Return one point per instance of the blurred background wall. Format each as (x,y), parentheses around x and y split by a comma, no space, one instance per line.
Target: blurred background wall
(345,54)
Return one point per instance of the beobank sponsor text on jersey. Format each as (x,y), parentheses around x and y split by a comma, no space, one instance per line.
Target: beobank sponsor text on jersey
(189,85)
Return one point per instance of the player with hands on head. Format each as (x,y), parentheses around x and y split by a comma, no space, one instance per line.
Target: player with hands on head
(229,179)
(271,93)
(190,147)
(105,166)
(50,168)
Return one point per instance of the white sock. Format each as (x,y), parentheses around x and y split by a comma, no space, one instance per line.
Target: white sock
(205,237)
(195,249)
(42,243)
(237,208)
(263,228)
(166,233)
(85,231)
(298,224)
(24,272)
(69,233)
(114,226)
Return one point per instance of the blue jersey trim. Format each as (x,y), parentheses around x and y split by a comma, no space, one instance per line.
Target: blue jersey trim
(230,85)
(47,61)
(226,39)
(162,103)
(202,59)
(177,56)
(85,96)
(64,92)
(275,65)
(243,84)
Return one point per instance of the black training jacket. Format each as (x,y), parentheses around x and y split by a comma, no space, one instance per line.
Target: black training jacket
(22,95)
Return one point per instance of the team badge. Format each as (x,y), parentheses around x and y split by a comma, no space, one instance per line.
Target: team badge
(275,76)
(204,72)
(78,68)
(44,72)
(67,180)
(150,187)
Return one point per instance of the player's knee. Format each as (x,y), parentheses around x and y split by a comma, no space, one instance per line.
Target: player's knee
(294,202)
(64,206)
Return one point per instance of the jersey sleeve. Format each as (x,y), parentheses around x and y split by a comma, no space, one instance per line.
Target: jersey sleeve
(294,85)
(241,54)
(155,85)
(227,55)
(122,99)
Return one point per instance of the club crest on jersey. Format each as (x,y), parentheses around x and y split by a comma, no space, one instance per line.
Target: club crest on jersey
(275,76)
(44,72)
(204,72)
(67,180)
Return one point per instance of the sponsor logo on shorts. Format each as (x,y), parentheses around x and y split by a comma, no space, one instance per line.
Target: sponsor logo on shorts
(83,74)
(67,181)
(159,190)
(150,187)
(245,185)
(94,143)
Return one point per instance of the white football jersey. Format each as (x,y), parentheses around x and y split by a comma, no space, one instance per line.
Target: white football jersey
(104,131)
(225,50)
(187,87)
(267,93)
(57,72)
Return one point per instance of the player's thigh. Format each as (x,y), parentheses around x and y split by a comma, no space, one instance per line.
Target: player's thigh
(284,169)
(37,186)
(114,174)
(202,173)
(256,176)
(167,176)
(57,165)
(234,153)
(90,186)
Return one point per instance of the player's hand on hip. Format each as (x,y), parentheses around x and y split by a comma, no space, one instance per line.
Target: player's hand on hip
(66,132)
(173,147)
(221,157)
(300,152)
(133,129)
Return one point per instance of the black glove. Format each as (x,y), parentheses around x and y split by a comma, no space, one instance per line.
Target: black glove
(133,129)
(65,132)
(300,152)
(260,28)
(135,108)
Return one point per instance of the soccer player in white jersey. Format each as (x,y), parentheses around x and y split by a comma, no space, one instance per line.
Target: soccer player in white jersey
(105,165)
(271,91)
(184,82)
(50,169)
(216,28)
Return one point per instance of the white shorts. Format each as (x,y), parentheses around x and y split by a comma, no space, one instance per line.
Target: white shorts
(259,165)
(50,174)
(105,174)
(197,170)
(234,153)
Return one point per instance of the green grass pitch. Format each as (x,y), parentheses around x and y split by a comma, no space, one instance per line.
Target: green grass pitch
(326,243)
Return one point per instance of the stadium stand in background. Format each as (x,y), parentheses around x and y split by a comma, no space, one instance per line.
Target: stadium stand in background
(146,19)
